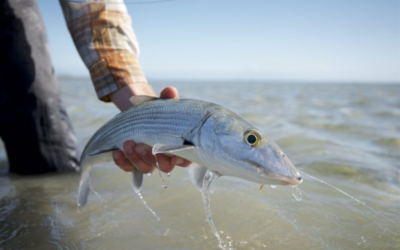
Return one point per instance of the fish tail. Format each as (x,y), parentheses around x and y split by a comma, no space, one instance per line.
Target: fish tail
(88,163)
(83,191)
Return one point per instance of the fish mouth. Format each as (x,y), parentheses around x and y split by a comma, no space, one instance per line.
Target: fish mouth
(291,181)
(287,181)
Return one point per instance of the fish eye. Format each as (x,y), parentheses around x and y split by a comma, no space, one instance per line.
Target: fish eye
(252,138)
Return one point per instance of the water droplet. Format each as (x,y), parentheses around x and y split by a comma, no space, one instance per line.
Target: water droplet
(363,239)
(168,174)
(358,243)
(296,193)
(221,232)
(243,242)
(149,174)
(273,186)
(147,206)
(264,245)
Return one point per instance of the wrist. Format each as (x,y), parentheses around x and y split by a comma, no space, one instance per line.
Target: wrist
(121,97)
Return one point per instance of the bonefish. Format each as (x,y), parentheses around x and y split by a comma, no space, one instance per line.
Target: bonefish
(214,138)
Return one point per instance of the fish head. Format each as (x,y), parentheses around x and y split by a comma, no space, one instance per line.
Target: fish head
(235,147)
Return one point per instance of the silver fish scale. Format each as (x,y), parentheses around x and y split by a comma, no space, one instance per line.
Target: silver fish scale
(160,121)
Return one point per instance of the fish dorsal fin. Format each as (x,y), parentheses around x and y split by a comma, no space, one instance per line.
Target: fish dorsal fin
(136,180)
(167,149)
(196,174)
(140,99)
(101,151)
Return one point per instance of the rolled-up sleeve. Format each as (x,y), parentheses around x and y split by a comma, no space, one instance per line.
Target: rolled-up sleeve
(106,42)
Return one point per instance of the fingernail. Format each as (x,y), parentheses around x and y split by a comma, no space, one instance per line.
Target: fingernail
(129,147)
(141,150)
(177,161)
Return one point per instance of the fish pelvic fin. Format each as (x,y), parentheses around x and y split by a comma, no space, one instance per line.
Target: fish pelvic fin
(196,174)
(136,180)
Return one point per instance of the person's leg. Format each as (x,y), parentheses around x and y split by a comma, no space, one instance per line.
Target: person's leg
(33,122)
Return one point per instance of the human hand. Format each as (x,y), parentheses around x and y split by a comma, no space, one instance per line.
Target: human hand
(140,155)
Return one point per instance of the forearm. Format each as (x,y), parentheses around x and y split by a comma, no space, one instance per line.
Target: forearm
(105,40)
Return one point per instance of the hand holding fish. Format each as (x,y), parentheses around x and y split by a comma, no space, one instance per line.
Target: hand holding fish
(218,140)
(139,155)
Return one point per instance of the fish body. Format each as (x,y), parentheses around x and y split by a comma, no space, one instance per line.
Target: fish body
(213,137)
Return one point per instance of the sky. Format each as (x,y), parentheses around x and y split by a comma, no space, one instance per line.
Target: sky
(296,40)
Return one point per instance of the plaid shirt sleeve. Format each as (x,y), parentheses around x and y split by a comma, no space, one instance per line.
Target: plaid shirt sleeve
(105,40)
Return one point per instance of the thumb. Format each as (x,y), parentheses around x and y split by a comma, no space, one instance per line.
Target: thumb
(169,93)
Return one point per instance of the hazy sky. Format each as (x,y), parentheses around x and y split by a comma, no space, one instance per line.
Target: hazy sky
(303,40)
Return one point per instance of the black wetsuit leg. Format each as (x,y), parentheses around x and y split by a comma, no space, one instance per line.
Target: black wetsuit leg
(34,125)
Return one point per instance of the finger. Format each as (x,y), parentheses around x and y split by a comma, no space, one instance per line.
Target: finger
(164,162)
(145,152)
(178,161)
(169,92)
(121,161)
(135,159)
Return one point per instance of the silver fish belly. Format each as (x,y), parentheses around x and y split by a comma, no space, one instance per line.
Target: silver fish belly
(213,137)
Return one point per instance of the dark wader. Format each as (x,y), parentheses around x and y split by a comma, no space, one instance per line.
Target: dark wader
(33,122)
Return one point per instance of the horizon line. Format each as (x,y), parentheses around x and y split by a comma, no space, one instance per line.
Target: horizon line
(249,80)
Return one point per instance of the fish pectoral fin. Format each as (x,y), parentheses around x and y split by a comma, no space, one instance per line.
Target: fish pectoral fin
(140,99)
(101,151)
(167,149)
(136,180)
(196,174)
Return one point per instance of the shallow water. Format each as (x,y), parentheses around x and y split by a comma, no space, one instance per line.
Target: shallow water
(347,135)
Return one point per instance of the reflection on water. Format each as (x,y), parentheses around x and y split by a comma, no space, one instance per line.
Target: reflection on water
(347,135)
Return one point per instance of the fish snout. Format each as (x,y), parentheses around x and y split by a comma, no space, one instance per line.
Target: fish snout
(295,181)
(282,170)
(292,180)
(294,177)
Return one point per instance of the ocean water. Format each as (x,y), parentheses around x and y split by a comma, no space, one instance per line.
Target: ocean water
(346,135)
